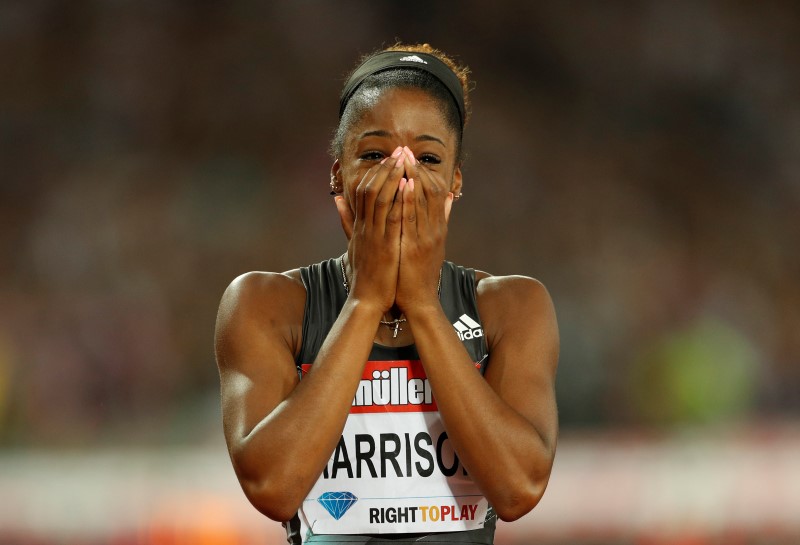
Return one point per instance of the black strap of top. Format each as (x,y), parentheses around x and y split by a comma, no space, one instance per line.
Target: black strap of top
(325,297)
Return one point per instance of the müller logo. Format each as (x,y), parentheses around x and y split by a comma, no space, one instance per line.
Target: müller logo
(394,386)
(391,386)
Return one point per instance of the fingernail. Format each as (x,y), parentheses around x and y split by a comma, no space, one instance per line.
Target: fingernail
(410,155)
(400,159)
(403,183)
(397,152)
(338,198)
(411,184)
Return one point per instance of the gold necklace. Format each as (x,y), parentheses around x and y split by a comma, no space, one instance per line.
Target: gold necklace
(391,324)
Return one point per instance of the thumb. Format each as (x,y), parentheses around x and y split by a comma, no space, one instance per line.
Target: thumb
(346,215)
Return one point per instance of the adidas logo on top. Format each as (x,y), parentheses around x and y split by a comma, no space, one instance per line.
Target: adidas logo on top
(467,328)
(413,58)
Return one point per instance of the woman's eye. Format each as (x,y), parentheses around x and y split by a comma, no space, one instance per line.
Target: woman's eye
(372,156)
(429,159)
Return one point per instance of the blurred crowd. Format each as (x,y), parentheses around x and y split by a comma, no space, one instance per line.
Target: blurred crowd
(641,159)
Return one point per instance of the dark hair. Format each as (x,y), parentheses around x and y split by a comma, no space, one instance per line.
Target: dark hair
(406,78)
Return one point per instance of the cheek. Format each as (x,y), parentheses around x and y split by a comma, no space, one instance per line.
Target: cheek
(352,176)
(350,186)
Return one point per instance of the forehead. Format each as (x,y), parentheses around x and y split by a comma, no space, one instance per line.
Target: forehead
(406,113)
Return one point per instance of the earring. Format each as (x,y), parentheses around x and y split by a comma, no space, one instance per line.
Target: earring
(456,197)
(333,186)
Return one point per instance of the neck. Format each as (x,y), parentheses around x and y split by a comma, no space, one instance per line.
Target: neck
(394,313)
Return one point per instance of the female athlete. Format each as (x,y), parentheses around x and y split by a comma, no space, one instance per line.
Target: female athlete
(389,395)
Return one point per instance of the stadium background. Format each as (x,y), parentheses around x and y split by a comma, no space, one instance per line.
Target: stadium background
(641,158)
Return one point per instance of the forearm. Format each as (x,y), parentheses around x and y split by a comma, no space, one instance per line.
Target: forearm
(284,454)
(503,452)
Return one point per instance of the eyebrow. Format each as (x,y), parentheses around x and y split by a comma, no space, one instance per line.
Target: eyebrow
(387,134)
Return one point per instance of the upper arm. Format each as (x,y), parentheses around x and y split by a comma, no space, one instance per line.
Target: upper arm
(257,335)
(521,330)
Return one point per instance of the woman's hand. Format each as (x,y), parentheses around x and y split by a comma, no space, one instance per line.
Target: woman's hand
(426,208)
(374,233)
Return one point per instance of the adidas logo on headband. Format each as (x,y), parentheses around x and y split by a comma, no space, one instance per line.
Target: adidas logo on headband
(413,58)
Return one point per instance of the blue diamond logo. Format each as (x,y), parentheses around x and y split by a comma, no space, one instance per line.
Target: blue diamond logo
(337,503)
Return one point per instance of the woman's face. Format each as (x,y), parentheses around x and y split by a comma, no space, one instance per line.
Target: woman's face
(399,117)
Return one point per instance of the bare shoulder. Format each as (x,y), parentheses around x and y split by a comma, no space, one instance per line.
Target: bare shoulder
(261,293)
(505,302)
(508,289)
(257,304)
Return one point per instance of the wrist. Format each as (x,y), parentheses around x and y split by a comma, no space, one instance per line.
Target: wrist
(365,307)
(424,311)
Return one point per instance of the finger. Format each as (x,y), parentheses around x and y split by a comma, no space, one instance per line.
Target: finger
(345,215)
(411,163)
(359,200)
(390,168)
(434,191)
(412,168)
(409,225)
(448,205)
(421,202)
(410,155)
(385,200)
(421,174)
(394,217)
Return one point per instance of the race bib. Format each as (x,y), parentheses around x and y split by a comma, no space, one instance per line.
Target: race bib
(394,469)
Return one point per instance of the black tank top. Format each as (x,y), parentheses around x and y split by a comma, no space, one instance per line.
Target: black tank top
(325,297)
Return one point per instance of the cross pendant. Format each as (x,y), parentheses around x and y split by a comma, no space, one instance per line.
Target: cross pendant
(396,329)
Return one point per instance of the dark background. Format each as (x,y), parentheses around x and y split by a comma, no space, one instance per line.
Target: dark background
(642,159)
